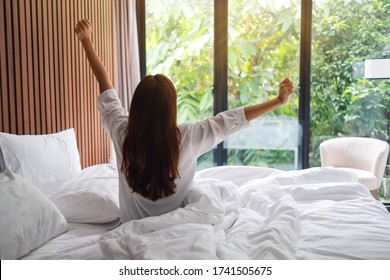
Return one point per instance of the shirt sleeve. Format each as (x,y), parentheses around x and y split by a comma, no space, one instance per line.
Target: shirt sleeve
(111,111)
(210,132)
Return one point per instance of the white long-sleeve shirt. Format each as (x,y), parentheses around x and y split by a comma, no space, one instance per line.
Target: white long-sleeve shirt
(196,139)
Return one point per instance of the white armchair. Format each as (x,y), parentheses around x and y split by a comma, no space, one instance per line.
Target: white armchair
(365,156)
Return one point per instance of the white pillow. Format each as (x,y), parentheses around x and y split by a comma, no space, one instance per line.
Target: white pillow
(44,160)
(91,196)
(27,217)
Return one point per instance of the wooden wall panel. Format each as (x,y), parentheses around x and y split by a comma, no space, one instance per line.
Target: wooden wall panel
(46,83)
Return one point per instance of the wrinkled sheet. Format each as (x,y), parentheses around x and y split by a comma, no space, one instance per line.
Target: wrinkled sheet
(257,213)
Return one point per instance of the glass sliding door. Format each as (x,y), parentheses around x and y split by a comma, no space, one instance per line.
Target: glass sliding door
(263,48)
(180,45)
(343,101)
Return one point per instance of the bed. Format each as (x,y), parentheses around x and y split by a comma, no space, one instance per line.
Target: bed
(231,212)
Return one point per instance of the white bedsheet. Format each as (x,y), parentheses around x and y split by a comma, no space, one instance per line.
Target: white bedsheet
(78,243)
(241,213)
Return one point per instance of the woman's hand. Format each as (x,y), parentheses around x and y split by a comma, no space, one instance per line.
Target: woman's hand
(286,88)
(83,29)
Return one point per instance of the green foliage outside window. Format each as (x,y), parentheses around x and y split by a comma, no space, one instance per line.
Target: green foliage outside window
(263,40)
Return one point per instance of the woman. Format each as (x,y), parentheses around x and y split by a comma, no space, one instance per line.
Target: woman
(157,157)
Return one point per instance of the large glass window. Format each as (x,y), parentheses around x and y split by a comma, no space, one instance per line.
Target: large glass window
(263,48)
(343,101)
(264,44)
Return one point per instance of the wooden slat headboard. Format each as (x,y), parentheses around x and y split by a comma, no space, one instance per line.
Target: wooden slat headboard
(46,84)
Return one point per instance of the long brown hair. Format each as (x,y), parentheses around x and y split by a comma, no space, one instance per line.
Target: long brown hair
(152,143)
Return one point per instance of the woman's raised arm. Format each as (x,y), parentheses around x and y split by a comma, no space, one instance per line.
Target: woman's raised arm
(83,29)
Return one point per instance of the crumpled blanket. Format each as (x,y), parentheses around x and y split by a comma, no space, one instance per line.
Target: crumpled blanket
(285,215)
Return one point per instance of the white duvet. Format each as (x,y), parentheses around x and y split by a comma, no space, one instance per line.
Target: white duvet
(257,213)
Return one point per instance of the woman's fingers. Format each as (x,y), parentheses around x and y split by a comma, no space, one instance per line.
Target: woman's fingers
(288,86)
(82,24)
(284,81)
(86,22)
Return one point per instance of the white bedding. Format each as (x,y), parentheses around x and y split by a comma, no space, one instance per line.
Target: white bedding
(246,213)
(318,213)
